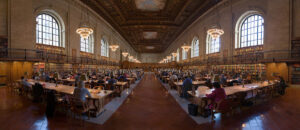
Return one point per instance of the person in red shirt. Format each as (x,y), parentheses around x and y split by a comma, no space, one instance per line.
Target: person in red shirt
(217,96)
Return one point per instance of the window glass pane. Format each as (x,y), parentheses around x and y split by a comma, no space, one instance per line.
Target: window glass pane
(252,30)
(195,48)
(213,45)
(47,31)
(104,48)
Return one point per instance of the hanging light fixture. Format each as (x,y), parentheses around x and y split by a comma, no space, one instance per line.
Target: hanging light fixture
(125,54)
(174,54)
(216,31)
(186,48)
(84,29)
(164,60)
(113,47)
(169,57)
(130,57)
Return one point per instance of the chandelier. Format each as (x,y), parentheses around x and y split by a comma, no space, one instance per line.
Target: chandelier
(114,47)
(215,32)
(186,48)
(164,60)
(125,54)
(174,54)
(84,31)
(130,57)
(169,57)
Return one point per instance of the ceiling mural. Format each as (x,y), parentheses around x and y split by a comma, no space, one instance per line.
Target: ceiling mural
(150,35)
(154,23)
(150,5)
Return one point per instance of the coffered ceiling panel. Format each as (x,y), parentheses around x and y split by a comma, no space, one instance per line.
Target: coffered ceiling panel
(155,23)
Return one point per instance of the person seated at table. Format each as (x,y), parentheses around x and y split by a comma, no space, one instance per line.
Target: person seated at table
(134,75)
(81,92)
(173,78)
(216,78)
(186,86)
(282,85)
(249,78)
(217,96)
(77,79)
(193,77)
(239,79)
(25,85)
(111,82)
(122,78)
(223,80)
(101,80)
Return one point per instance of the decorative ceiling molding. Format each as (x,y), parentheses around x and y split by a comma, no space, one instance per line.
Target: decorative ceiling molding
(169,18)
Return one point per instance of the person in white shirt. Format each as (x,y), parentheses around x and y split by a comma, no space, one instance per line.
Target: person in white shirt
(81,92)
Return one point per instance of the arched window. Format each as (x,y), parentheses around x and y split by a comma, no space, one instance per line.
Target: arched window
(87,45)
(48,30)
(195,48)
(173,58)
(104,48)
(184,54)
(178,55)
(212,45)
(250,30)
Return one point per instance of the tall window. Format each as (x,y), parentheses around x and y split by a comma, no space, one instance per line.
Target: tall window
(104,48)
(87,45)
(212,45)
(48,31)
(173,58)
(184,54)
(195,48)
(251,31)
(178,52)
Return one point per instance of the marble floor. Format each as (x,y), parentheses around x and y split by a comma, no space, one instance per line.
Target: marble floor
(150,106)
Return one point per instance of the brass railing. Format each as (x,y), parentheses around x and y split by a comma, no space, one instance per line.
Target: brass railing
(247,58)
(9,54)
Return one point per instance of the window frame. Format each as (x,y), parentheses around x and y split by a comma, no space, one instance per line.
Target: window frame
(45,29)
(184,54)
(104,47)
(178,55)
(212,42)
(238,27)
(195,48)
(88,44)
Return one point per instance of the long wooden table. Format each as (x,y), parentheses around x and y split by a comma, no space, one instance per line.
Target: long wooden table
(131,80)
(97,96)
(179,85)
(200,94)
(194,83)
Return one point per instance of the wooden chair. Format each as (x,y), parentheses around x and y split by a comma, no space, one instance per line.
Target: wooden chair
(238,100)
(63,102)
(223,107)
(10,87)
(16,87)
(263,94)
(79,107)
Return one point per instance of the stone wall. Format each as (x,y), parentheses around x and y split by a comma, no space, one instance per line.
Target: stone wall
(3,18)
(149,57)
(22,14)
(276,13)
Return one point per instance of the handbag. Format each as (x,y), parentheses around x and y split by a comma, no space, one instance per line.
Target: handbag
(193,109)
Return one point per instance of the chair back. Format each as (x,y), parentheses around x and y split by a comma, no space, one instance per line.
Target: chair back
(77,105)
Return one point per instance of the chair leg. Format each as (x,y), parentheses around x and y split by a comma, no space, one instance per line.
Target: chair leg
(212,115)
